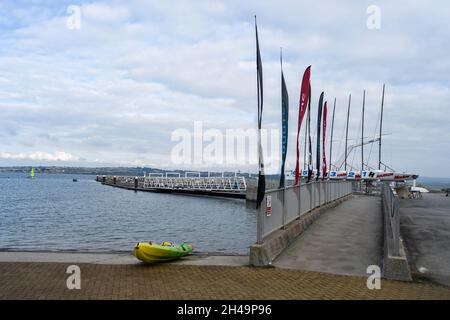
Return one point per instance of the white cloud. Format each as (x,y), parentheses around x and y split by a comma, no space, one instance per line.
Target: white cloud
(115,89)
(101,12)
(39,156)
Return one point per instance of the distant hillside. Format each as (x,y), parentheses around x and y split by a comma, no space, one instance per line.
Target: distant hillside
(83,170)
(126,171)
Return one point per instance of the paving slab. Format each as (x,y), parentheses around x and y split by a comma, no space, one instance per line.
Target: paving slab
(44,280)
(425,228)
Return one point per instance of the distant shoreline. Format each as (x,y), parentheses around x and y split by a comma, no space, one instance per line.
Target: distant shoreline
(435,184)
(139,171)
(124,171)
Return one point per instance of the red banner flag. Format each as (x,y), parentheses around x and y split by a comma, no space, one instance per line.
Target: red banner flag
(324,159)
(304,98)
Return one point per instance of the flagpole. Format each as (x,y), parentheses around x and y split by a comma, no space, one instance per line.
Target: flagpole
(362,133)
(306,130)
(381,125)
(309,137)
(319,124)
(304,153)
(346,131)
(332,128)
(284,117)
(259,83)
(324,139)
(303,104)
(284,121)
(282,177)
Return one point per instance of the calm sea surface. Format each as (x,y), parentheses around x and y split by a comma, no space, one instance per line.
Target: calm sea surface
(51,212)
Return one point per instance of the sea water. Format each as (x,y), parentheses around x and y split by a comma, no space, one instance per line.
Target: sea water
(53,213)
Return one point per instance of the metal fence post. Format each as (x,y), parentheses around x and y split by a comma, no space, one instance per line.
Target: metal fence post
(299,200)
(319,188)
(336,190)
(313,193)
(331,191)
(259,224)
(327,191)
(391,207)
(396,228)
(284,207)
(339,187)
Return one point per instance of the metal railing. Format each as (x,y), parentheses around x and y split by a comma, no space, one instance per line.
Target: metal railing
(282,206)
(391,206)
(230,184)
(194,183)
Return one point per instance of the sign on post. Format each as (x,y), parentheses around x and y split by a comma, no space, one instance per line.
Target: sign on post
(268,206)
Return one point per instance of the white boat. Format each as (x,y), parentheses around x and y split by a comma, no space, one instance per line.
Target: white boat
(419,189)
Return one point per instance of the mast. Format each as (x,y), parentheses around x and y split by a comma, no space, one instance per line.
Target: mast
(362,133)
(309,137)
(306,136)
(319,123)
(332,127)
(381,125)
(284,122)
(259,84)
(346,130)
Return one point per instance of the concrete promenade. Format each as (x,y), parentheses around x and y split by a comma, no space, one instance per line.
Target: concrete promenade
(117,258)
(425,227)
(47,280)
(344,240)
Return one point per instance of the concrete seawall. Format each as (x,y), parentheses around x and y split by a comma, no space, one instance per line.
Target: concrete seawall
(395,267)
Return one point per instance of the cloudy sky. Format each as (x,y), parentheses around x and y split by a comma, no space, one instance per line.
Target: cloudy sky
(113,91)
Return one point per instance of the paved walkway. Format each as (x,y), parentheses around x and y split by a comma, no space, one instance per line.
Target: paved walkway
(344,240)
(117,258)
(425,228)
(33,280)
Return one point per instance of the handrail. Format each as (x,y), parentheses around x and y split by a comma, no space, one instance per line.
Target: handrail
(291,202)
(391,205)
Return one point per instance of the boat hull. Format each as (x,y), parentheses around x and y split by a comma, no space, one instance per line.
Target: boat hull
(154,253)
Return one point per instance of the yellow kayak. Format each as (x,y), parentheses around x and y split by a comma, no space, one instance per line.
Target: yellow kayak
(150,252)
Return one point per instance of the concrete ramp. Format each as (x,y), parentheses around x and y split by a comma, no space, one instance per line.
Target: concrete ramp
(344,240)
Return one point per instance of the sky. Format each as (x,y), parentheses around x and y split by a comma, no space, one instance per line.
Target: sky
(113,89)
